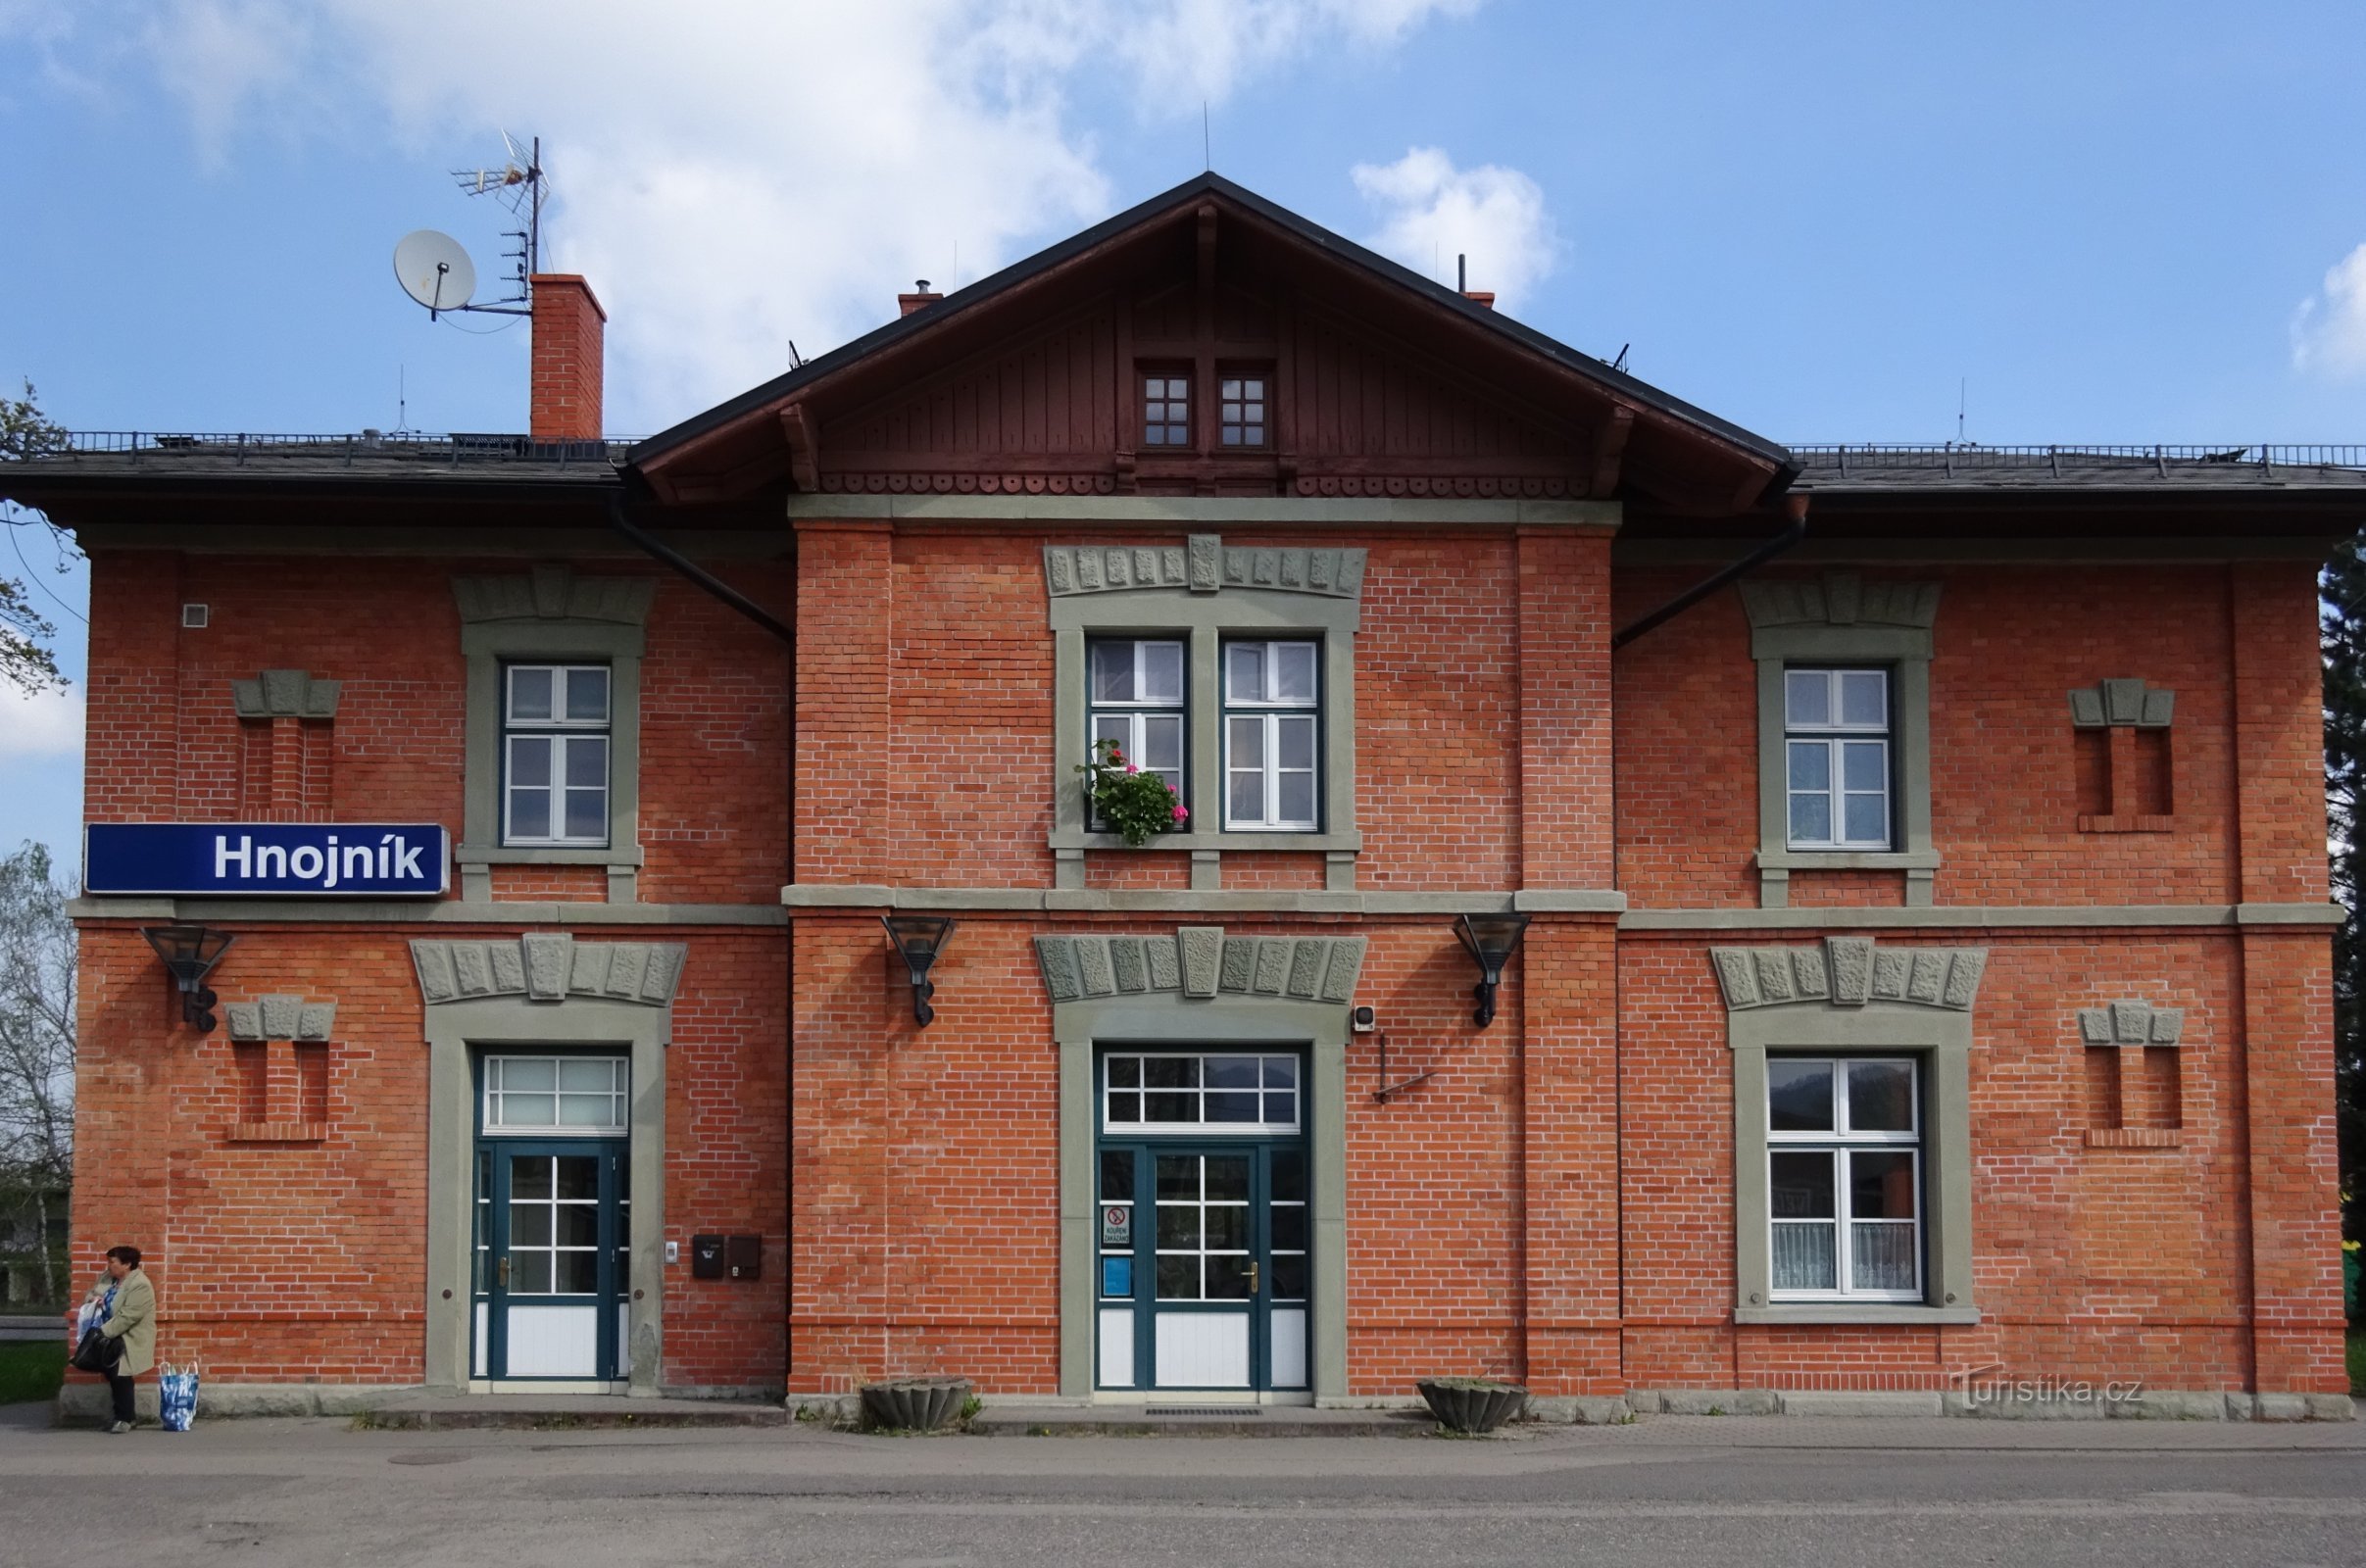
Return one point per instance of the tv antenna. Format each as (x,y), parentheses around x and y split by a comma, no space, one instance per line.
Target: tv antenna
(436,271)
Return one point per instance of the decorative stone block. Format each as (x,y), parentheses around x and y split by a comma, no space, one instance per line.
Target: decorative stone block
(315,1021)
(285,694)
(2122,701)
(1206,562)
(1240,963)
(548,968)
(2130,1023)
(1130,970)
(1057,956)
(1338,976)
(1165,972)
(1273,965)
(1306,966)
(1850,972)
(1093,962)
(1850,960)
(1202,947)
(245,1020)
(548,963)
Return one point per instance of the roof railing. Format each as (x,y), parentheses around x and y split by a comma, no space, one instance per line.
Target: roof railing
(1962,454)
(239,445)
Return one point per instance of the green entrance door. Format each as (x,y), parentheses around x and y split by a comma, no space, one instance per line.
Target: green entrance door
(553,1215)
(1202,1260)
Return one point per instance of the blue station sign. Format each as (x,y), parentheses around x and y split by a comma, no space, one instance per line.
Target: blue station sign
(277,859)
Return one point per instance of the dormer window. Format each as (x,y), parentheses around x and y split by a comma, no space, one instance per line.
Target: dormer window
(1166,411)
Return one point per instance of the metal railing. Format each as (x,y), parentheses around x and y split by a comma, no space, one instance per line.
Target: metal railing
(455,447)
(1958,456)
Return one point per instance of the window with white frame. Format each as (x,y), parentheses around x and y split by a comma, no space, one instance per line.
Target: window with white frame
(1195,1092)
(1134,690)
(580,1097)
(1272,731)
(1835,735)
(1844,1136)
(555,731)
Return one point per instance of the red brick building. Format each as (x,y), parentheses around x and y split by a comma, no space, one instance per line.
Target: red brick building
(1917,975)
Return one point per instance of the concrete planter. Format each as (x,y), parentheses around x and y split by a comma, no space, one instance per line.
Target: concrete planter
(915,1405)
(1472,1405)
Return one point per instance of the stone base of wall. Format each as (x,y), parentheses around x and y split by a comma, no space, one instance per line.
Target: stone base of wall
(2151,1405)
(83,1403)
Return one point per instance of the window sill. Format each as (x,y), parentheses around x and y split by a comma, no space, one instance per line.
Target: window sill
(1076,838)
(1788,859)
(545,855)
(2135,1137)
(1899,1314)
(278,1132)
(2143,823)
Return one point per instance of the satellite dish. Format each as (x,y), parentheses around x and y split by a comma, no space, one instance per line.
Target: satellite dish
(434,270)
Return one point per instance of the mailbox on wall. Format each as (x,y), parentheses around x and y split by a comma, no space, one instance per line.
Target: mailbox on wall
(706,1258)
(746,1255)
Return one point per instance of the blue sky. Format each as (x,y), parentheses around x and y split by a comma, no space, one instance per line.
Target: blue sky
(2108,223)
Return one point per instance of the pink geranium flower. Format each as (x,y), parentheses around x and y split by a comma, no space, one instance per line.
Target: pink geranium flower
(1181,816)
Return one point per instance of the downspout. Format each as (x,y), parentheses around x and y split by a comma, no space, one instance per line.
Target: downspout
(697,573)
(1794,504)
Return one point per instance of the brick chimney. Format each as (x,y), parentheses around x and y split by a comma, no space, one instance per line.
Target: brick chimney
(918,300)
(569,358)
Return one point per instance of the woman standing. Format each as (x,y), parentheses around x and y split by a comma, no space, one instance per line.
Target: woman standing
(129,1315)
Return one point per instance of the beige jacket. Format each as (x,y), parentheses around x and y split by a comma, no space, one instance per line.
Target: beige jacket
(133,1321)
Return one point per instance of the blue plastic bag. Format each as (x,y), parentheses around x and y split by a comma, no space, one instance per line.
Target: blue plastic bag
(176,1398)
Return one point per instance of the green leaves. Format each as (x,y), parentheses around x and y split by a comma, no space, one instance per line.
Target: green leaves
(1138,804)
(25,661)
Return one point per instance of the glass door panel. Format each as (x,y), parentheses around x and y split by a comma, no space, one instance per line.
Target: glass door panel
(551,1260)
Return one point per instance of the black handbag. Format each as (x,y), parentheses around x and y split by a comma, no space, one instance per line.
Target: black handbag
(97,1352)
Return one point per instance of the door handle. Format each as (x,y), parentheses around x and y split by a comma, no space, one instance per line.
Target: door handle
(501,1272)
(1253,1279)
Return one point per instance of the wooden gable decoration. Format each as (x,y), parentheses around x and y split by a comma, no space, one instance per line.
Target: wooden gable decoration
(1374,384)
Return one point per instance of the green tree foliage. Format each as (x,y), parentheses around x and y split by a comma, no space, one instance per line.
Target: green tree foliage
(38,971)
(2343,613)
(25,661)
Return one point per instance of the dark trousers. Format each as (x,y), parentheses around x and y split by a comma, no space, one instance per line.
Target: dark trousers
(121,1388)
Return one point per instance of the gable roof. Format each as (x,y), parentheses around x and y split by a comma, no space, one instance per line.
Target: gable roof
(1762,466)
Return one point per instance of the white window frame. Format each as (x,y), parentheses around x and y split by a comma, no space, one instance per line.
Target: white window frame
(493,1094)
(1834,738)
(1273,712)
(1136,711)
(1839,1142)
(1266,1081)
(564,735)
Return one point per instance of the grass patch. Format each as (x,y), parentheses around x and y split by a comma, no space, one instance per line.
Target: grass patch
(32,1369)
(2357,1361)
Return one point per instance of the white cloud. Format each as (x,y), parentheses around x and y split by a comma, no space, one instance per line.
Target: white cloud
(42,726)
(2328,330)
(1435,212)
(736,174)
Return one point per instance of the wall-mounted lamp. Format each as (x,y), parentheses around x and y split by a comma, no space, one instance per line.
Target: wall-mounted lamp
(919,939)
(1490,940)
(190,952)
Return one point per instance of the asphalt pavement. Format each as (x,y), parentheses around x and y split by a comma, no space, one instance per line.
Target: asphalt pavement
(1694,1490)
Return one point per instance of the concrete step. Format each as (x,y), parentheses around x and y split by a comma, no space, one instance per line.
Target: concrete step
(1197,1421)
(561,1411)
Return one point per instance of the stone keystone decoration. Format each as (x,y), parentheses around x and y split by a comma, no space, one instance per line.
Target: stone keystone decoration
(1204,566)
(2132,1023)
(1840,598)
(1850,972)
(550,591)
(1202,964)
(2112,702)
(285,694)
(281,1018)
(549,966)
